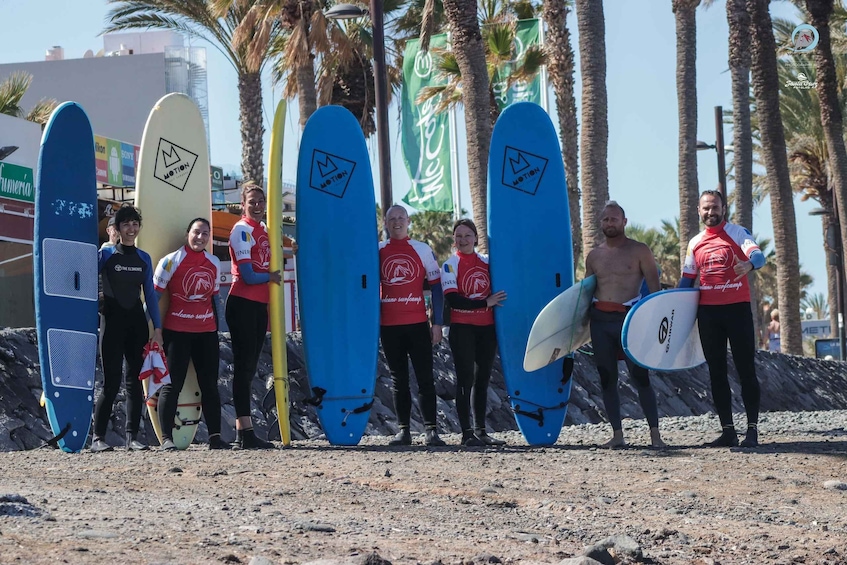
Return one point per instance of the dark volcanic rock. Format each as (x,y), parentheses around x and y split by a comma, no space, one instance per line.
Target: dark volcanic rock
(788,383)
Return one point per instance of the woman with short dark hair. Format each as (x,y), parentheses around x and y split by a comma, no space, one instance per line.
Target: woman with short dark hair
(125,270)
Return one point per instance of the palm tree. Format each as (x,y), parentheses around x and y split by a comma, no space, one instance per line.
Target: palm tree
(594,137)
(470,59)
(664,243)
(303,35)
(831,117)
(203,19)
(436,230)
(739,67)
(13,89)
(560,66)
(686,94)
(766,88)
(818,304)
(808,158)
(499,38)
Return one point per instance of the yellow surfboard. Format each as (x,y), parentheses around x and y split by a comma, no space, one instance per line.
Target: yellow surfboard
(173,186)
(277,291)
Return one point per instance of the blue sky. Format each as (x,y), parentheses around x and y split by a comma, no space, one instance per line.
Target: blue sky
(641,83)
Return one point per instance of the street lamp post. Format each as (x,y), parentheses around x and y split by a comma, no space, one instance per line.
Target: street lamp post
(350,11)
(833,242)
(719,147)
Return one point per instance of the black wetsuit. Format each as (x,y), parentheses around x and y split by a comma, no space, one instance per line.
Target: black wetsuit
(125,271)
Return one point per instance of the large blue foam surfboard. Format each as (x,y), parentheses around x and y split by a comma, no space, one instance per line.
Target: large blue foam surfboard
(531,258)
(661,332)
(65,265)
(338,271)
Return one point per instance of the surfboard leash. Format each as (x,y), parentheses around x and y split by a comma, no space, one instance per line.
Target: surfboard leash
(54,441)
(537,414)
(360,410)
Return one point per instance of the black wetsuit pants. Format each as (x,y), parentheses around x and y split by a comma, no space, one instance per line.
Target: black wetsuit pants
(401,343)
(124,337)
(248,326)
(606,341)
(472,347)
(733,322)
(201,349)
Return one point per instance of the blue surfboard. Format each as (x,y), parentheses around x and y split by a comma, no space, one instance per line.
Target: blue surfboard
(65,262)
(338,271)
(529,240)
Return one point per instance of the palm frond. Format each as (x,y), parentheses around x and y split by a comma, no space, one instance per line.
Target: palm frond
(42,110)
(12,90)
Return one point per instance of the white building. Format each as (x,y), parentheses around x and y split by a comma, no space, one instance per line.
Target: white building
(119,84)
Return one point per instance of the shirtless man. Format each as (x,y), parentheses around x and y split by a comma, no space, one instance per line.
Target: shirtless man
(620,265)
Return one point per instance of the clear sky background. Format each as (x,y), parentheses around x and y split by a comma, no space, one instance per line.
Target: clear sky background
(641,82)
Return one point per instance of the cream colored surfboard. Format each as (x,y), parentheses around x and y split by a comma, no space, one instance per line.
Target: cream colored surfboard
(173,187)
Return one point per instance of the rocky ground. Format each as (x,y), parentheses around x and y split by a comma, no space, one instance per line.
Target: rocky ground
(782,503)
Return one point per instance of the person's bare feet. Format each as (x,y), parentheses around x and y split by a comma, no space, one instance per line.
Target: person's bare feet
(656,439)
(616,441)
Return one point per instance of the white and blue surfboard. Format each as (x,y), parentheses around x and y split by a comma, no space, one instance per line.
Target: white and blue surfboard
(661,332)
(338,271)
(531,258)
(65,264)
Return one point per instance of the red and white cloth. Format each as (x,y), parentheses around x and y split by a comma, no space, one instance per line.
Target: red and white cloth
(155,368)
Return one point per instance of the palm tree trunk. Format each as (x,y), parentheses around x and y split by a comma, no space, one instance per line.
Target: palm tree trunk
(686,95)
(742,139)
(470,56)
(307,95)
(595,120)
(831,118)
(766,88)
(252,128)
(560,65)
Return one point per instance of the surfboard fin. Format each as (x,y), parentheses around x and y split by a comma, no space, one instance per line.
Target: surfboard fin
(567,369)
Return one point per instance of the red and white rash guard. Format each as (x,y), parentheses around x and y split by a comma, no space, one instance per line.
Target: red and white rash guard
(403,266)
(192,278)
(713,253)
(248,241)
(467,274)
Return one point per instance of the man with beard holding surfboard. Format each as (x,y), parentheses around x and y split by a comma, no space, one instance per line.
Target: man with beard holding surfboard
(722,255)
(620,265)
(405,332)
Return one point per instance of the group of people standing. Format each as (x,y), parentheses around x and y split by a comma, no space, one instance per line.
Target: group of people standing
(721,256)
(189,332)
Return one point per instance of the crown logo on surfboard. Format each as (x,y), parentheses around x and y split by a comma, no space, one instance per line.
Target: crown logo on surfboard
(523,170)
(174,164)
(330,173)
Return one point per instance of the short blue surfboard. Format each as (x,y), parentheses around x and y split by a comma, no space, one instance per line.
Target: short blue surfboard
(338,271)
(65,264)
(531,258)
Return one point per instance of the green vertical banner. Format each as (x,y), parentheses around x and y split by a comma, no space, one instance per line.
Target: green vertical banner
(114,164)
(217,175)
(527,33)
(425,135)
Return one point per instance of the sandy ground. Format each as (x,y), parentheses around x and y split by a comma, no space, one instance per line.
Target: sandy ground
(417,505)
